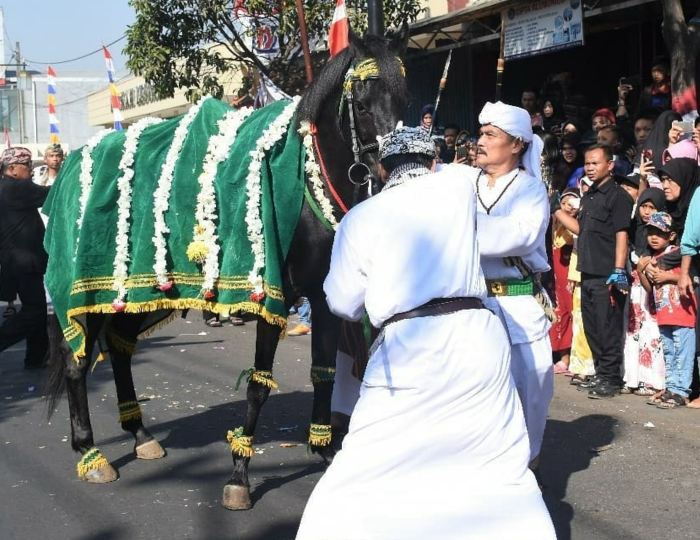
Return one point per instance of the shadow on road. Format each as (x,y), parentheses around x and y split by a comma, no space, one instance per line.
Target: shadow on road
(568,448)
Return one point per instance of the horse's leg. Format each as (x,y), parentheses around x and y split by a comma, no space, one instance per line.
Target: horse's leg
(324,347)
(121,335)
(237,490)
(93,466)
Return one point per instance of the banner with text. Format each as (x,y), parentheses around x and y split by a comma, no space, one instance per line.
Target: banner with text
(542,26)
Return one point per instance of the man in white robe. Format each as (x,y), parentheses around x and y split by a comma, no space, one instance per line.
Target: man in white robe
(437,445)
(512,218)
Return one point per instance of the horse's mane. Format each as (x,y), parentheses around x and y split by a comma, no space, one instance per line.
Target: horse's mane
(332,76)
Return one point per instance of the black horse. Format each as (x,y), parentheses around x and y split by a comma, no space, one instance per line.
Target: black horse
(376,103)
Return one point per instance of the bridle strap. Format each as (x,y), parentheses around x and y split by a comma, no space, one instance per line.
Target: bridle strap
(324,172)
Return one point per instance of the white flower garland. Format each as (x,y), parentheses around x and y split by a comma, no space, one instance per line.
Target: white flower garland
(270,136)
(204,247)
(314,171)
(161,196)
(121,257)
(85,178)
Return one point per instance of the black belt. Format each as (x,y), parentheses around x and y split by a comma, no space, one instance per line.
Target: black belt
(438,306)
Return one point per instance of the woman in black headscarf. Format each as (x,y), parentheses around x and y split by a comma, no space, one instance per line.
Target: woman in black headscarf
(427,117)
(650,197)
(680,177)
(657,141)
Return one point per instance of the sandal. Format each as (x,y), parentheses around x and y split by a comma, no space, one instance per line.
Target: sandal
(656,399)
(560,368)
(214,323)
(671,402)
(578,379)
(645,391)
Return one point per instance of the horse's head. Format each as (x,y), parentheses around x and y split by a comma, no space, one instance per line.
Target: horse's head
(361,93)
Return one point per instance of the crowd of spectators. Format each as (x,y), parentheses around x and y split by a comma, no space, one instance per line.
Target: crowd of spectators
(624,237)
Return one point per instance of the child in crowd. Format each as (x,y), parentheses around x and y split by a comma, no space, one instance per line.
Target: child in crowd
(675,313)
(581,359)
(645,369)
(562,245)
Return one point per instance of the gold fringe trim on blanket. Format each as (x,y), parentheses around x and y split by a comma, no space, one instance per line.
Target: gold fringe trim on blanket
(129,410)
(264,378)
(321,374)
(319,435)
(91,460)
(137,281)
(240,445)
(166,304)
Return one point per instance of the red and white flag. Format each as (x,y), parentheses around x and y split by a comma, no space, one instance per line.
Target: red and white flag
(338,35)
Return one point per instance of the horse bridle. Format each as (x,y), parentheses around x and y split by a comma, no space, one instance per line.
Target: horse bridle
(359,172)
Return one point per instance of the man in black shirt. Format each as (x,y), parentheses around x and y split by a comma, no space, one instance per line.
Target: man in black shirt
(22,254)
(602,226)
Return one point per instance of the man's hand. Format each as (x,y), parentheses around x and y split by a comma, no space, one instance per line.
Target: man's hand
(618,279)
(685,285)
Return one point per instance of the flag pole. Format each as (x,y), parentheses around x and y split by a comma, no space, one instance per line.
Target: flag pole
(501,63)
(441,87)
(305,41)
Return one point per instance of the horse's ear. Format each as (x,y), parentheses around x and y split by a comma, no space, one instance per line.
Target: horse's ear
(357,44)
(398,40)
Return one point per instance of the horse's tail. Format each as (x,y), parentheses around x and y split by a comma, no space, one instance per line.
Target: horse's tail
(56,381)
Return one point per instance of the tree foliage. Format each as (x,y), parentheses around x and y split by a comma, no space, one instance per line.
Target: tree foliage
(191,43)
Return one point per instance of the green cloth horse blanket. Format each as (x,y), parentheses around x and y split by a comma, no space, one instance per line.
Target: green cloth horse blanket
(196,211)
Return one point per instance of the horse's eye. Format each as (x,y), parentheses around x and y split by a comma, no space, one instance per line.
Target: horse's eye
(361,108)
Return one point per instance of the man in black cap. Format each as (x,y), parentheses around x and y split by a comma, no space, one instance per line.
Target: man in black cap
(22,254)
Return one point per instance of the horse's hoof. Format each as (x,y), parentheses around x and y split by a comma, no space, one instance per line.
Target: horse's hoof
(101,475)
(327,452)
(236,497)
(150,450)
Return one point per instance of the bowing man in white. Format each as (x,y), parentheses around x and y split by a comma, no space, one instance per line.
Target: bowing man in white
(512,218)
(437,445)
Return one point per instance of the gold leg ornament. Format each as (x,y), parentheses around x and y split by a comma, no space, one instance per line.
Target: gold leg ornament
(240,444)
(320,374)
(320,434)
(129,410)
(91,460)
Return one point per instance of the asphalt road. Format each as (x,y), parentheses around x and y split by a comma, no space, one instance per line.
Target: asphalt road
(607,475)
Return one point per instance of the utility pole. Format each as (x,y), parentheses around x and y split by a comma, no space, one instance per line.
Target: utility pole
(20,97)
(375,17)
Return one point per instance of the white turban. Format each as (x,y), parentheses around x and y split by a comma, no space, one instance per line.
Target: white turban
(516,122)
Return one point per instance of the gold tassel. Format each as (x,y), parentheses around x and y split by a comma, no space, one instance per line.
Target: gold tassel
(321,374)
(129,410)
(240,445)
(319,435)
(91,460)
(264,378)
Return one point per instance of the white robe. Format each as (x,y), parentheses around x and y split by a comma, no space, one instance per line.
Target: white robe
(437,446)
(515,227)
